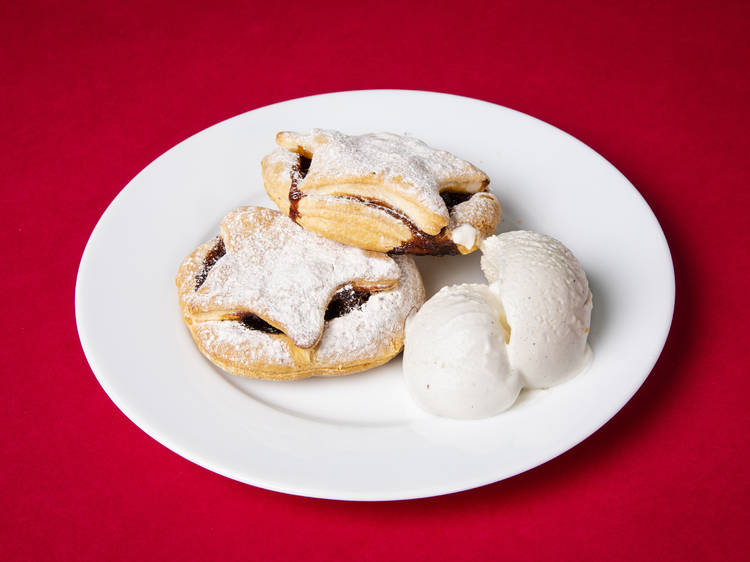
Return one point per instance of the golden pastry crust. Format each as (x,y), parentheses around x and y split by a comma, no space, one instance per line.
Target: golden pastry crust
(367,334)
(381,192)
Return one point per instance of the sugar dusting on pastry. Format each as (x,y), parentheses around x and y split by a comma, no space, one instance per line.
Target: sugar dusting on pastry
(482,212)
(250,347)
(365,328)
(363,333)
(284,274)
(360,331)
(380,192)
(422,170)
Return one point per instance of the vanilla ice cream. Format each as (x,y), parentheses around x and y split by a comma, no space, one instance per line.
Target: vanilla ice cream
(471,348)
(455,359)
(545,295)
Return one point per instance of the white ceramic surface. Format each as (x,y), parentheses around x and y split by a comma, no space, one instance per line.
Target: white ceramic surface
(360,437)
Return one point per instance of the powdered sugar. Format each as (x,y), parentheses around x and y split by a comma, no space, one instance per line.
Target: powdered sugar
(369,330)
(421,171)
(284,274)
(482,212)
(251,348)
(360,335)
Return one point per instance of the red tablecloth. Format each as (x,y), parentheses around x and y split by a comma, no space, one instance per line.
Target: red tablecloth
(91,94)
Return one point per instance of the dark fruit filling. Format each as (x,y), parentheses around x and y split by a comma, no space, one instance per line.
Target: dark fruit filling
(252,322)
(343,302)
(209,261)
(346,300)
(298,173)
(453,198)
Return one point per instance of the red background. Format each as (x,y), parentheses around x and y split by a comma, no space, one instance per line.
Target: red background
(92,94)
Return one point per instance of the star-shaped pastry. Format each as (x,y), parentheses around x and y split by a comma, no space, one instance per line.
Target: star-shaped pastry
(401,171)
(284,274)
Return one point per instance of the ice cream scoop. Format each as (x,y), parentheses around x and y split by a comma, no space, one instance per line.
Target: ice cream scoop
(455,359)
(545,295)
(471,348)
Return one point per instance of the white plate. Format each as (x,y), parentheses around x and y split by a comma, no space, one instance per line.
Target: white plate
(360,437)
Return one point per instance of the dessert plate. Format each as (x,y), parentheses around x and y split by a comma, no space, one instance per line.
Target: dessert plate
(360,437)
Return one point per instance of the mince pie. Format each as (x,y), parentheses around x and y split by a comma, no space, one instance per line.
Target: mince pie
(269,299)
(381,192)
